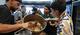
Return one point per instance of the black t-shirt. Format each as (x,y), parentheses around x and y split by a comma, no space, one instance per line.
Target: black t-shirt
(6,17)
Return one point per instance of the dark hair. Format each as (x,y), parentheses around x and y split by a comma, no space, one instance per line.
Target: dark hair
(48,6)
(34,9)
(7,0)
(58,6)
(15,0)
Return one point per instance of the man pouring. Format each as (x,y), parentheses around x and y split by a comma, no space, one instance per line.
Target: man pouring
(7,24)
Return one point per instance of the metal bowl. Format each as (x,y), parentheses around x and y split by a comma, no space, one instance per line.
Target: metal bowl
(36,23)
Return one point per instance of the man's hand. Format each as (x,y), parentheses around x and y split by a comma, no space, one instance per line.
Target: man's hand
(25,25)
(28,25)
(18,22)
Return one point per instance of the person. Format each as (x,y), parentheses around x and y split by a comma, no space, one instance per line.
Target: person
(23,10)
(34,10)
(64,23)
(49,29)
(17,15)
(47,12)
(7,24)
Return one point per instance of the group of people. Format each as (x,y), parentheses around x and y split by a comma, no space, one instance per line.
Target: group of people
(63,25)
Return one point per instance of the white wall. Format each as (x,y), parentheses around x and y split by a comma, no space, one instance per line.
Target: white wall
(2,2)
